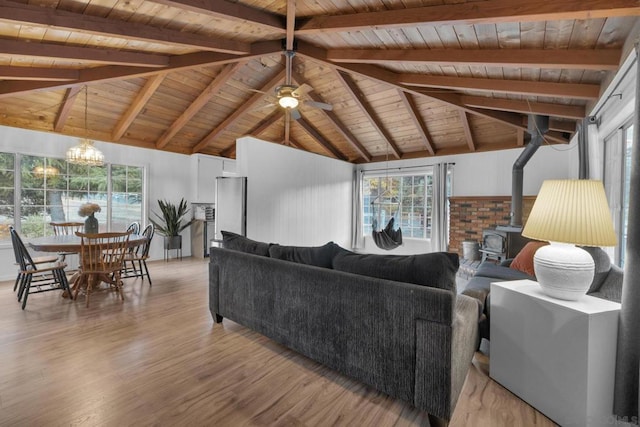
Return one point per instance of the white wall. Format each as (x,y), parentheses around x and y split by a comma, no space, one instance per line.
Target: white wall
(295,197)
(487,174)
(168,176)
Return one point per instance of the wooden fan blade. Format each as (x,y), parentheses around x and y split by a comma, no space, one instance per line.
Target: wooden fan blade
(291,22)
(302,90)
(264,107)
(295,114)
(316,104)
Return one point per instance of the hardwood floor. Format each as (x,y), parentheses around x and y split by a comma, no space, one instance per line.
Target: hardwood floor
(158,359)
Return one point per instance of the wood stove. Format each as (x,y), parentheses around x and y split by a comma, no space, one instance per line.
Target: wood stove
(502,242)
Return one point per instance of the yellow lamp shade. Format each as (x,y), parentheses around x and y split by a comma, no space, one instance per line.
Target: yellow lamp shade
(571,211)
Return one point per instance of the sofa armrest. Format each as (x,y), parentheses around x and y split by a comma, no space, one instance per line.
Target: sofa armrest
(443,356)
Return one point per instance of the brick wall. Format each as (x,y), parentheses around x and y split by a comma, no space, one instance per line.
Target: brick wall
(471,215)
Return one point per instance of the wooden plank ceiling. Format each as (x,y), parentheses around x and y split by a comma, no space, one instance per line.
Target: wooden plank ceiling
(406,78)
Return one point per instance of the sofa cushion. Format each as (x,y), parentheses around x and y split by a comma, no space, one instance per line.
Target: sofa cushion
(240,243)
(524,260)
(437,269)
(494,271)
(320,256)
(602,264)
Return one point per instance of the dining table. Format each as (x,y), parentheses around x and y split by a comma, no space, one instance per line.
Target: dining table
(72,244)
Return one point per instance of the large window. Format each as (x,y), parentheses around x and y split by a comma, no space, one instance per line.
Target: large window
(50,189)
(407,198)
(617,176)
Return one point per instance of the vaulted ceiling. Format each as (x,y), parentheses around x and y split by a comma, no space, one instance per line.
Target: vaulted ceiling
(406,78)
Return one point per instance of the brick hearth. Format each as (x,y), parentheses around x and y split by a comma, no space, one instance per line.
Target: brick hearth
(470,215)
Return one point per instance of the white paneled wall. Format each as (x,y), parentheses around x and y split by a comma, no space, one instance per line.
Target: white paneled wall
(295,197)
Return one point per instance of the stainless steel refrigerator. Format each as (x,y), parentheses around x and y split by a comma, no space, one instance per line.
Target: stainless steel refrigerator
(231,205)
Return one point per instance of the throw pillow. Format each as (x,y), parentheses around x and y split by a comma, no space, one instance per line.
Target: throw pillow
(320,256)
(436,269)
(602,264)
(236,242)
(524,260)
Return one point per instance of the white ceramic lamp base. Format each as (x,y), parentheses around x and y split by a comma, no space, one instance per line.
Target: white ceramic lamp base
(563,271)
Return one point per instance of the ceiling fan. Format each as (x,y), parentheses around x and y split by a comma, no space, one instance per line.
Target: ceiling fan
(288,95)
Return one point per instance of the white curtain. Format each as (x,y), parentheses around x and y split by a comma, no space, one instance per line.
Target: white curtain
(357,238)
(439,229)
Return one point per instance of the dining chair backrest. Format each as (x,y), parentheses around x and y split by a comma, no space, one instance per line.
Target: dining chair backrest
(23,257)
(134,227)
(66,228)
(148,233)
(102,252)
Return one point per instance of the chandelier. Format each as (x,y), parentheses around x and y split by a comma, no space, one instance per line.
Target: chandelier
(85,153)
(41,171)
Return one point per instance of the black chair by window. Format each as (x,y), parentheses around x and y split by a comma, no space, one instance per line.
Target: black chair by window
(47,259)
(33,279)
(134,227)
(139,255)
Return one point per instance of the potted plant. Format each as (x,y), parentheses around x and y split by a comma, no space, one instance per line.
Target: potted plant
(171,222)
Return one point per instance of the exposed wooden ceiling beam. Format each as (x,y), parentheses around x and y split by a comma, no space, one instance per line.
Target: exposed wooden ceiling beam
(486,12)
(242,109)
(137,105)
(79,53)
(418,122)
(520,137)
(336,122)
(390,78)
(369,112)
(582,59)
(8,72)
(525,107)
(65,109)
(209,92)
(467,130)
(562,125)
(518,87)
(291,23)
(448,151)
(229,11)
(317,136)
(265,124)
(287,127)
(116,72)
(12,12)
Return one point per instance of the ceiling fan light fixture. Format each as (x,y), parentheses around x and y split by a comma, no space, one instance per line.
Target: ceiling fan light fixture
(286,96)
(288,101)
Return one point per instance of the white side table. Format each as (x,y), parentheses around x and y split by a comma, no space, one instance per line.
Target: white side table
(558,356)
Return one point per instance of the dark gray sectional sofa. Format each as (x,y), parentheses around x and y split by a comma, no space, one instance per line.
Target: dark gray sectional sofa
(411,341)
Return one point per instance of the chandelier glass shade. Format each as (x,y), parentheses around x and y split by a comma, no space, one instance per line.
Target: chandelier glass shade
(85,153)
(41,171)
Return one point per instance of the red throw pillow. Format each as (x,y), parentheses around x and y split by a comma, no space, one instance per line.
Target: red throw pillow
(524,260)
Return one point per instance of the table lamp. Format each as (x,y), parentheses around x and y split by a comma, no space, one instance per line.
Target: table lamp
(568,213)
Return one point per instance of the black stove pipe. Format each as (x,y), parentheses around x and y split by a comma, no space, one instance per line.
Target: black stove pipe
(537,127)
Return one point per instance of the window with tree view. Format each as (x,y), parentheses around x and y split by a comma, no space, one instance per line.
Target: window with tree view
(51,190)
(406,198)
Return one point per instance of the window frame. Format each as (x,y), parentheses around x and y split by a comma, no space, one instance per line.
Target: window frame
(616,195)
(381,175)
(106,205)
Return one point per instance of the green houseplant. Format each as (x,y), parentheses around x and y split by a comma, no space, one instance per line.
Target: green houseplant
(170,222)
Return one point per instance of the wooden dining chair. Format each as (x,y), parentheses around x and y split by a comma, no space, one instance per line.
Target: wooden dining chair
(41,260)
(66,229)
(139,255)
(34,278)
(101,260)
